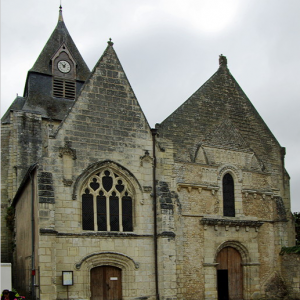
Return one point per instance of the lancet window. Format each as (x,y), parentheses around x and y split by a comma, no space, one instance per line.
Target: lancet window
(228,196)
(107,203)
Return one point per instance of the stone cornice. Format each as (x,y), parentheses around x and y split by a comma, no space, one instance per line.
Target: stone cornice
(230,222)
(46,231)
(263,193)
(199,187)
(250,264)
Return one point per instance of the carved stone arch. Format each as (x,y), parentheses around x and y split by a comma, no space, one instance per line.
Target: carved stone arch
(114,259)
(239,247)
(200,155)
(108,194)
(236,173)
(230,259)
(93,168)
(237,176)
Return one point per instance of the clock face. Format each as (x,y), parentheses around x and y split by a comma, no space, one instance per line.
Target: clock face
(64,66)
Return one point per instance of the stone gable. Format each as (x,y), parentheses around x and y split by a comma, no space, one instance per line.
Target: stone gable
(177,212)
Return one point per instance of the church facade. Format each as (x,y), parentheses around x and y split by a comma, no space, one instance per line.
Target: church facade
(108,208)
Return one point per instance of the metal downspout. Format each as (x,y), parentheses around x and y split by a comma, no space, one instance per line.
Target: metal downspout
(154,133)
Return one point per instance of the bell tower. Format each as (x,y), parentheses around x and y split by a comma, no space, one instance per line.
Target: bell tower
(57,76)
(51,87)
(64,74)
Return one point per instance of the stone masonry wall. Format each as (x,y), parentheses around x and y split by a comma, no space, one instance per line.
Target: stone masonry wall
(290,264)
(21,146)
(6,249)
(106,128)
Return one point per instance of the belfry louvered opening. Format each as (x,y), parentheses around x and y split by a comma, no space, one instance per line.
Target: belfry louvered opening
(107,203)
(64,88)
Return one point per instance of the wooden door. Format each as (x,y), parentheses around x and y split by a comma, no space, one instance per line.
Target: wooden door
(229,274)
(106,283)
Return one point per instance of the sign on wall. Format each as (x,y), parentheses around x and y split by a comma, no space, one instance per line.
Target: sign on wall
(67,277)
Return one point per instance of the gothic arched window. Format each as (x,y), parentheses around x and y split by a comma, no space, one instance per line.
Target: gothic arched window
(228,196)
(107,203)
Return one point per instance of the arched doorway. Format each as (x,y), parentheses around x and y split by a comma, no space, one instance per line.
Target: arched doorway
(229,274)
(106,283)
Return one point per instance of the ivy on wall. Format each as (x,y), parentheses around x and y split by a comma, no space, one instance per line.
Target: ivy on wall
(290,250)
(10,218)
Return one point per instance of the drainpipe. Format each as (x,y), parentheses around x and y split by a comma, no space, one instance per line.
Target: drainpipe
(32,239)
(154,133)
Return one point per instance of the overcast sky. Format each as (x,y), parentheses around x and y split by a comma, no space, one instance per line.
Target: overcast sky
(169,48)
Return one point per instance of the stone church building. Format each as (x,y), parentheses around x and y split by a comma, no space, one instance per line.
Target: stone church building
(108,208)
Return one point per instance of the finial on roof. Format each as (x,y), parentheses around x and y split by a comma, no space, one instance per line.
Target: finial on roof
(222,60)
(110,43)
(60,16)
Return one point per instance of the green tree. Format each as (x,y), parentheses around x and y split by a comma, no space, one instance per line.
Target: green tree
(297,227)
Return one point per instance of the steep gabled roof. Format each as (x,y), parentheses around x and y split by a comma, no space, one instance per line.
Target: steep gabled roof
(220,102)
(107,106)
(59,36)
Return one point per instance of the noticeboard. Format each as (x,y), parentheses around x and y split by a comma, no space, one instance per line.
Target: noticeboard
(67,277)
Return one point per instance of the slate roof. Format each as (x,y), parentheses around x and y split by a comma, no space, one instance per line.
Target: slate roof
(41,102)
(59,36)
(49,107)
(219,106)
(17,104)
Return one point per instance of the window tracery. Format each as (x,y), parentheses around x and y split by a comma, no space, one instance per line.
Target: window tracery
(107,203)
